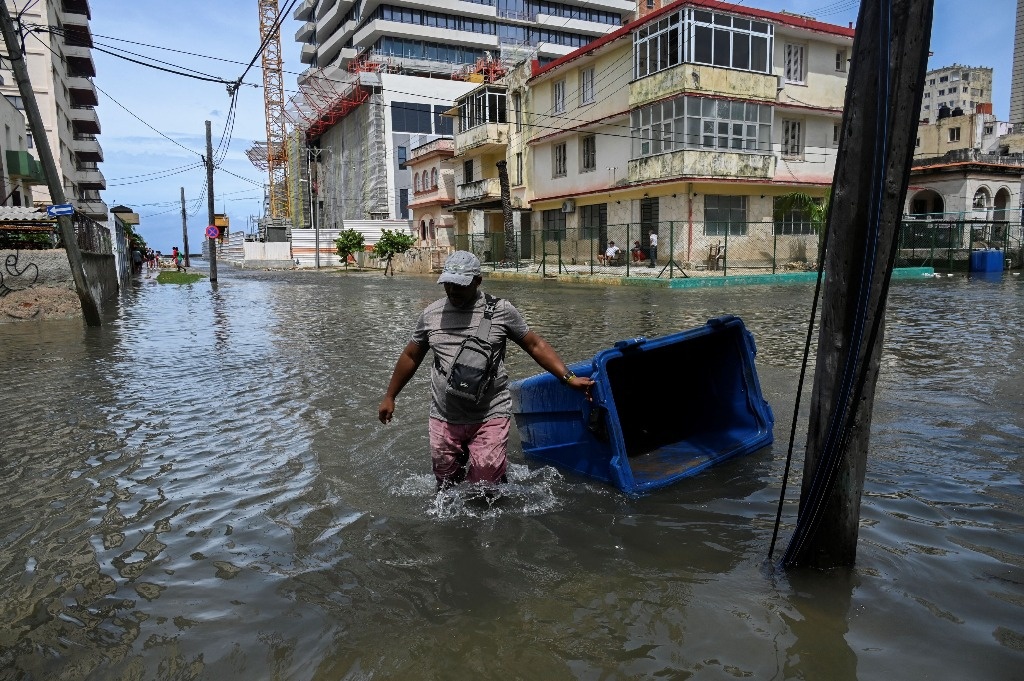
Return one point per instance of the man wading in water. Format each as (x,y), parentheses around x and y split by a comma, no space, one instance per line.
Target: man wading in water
(467,432)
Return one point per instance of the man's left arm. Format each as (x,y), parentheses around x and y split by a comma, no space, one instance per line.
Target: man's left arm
(549,360)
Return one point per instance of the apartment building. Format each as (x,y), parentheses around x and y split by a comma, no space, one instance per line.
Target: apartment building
(378,73)
(60,65)
(979,133)
(692,122)
(956,87)
(21,171)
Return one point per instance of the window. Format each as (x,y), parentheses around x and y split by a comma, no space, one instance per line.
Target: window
(954,134)
(588,153)
(792,140)
(410,117)
(931,81)
(841,61)
(794,63)
(416,183)
(725,215)
(792,221)
(403,203)
(481,107)
(517,110)
(559,154)
(519,168)
(467,171)
(941,92)
(593,220)
(586,86)
(553,225)
(443,125)
(433,178)
(688,122)
(927,95)
(917,143)
(29,142)
(943,79)
(835,135)
(558,97)
(702,37)
(989,129)
(403,156)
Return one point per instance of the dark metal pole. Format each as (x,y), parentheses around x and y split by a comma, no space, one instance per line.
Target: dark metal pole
(90,308)
(184,228)
(212,246)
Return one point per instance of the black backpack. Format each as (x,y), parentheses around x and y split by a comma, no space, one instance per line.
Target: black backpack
(476,362)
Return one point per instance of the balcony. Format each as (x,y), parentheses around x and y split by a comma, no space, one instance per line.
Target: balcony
(698,163)
(94,207)
(76,7)
(307,54)
(77,35)
(479,190)
(305,32)
(87,148)
(304,12)
(90,178)
(441,145)
(21,166)
(85,120)
(82,91)
(705,81)
(490,137)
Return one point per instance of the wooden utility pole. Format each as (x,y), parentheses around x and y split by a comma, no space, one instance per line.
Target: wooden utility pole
(511,252)
(883,96)
(184,227)
(212,245)
(90,308)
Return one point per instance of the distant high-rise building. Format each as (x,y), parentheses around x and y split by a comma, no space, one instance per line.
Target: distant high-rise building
(60,66)
(956,87)
(1017,77)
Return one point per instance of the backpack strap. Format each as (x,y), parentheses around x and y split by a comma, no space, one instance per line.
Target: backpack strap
(483,331)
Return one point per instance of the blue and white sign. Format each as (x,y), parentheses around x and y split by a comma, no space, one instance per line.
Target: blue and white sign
(60,209)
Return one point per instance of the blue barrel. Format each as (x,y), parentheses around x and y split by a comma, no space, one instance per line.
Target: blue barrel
(988,260)
(664,408)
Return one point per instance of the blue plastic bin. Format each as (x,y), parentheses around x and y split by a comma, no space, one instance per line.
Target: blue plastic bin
(988,260)
(664,408)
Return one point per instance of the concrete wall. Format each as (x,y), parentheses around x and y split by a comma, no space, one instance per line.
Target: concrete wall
(49,268)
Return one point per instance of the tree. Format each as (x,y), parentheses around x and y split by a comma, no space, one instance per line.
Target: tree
(389,244)
(813,208)
(348,242)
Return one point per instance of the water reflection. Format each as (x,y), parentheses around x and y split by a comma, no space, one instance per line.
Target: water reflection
(200,489)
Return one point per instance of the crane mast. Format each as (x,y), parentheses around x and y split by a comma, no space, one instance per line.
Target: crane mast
(273,101)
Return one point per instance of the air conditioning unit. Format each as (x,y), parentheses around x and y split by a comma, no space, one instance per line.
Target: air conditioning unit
(568,206)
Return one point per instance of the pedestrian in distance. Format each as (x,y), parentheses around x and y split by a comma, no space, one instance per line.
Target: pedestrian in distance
(137,260)
(654,248)
(470,403)
(637,252)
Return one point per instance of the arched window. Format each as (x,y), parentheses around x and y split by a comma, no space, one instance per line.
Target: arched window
(423,230)
(981,199)
(433,178)
(416,182)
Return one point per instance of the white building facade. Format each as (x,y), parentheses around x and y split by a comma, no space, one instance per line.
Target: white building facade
(61,69)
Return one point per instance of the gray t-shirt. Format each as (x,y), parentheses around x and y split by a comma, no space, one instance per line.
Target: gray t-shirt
(442,327)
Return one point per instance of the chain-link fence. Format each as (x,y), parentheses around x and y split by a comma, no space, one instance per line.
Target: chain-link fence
(947,244)
(668,249)
(703,249)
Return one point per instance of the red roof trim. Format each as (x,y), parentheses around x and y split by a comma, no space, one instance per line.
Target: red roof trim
(772,17)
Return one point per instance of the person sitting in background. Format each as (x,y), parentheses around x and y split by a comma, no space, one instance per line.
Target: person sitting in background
(637,252)
(611,254)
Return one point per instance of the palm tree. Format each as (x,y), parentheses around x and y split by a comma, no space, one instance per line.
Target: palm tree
(814,210)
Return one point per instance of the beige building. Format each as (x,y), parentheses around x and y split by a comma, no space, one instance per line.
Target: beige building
(956,87)
(646,130)
(61,69)
(433,191)
(976,132)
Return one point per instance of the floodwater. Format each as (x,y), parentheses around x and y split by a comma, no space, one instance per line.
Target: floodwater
(200,490)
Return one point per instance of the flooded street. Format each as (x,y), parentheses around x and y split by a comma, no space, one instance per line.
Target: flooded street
(200,489)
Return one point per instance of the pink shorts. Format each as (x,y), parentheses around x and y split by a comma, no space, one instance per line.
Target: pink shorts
(487,443)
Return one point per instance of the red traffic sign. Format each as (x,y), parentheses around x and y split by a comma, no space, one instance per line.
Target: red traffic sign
(212,232)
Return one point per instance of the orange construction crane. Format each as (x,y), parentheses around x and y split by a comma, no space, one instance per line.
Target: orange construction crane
(273,100)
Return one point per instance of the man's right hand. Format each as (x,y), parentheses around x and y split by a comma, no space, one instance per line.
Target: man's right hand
(386,409)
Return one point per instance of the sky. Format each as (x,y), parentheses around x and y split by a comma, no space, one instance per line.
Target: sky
(153,122)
